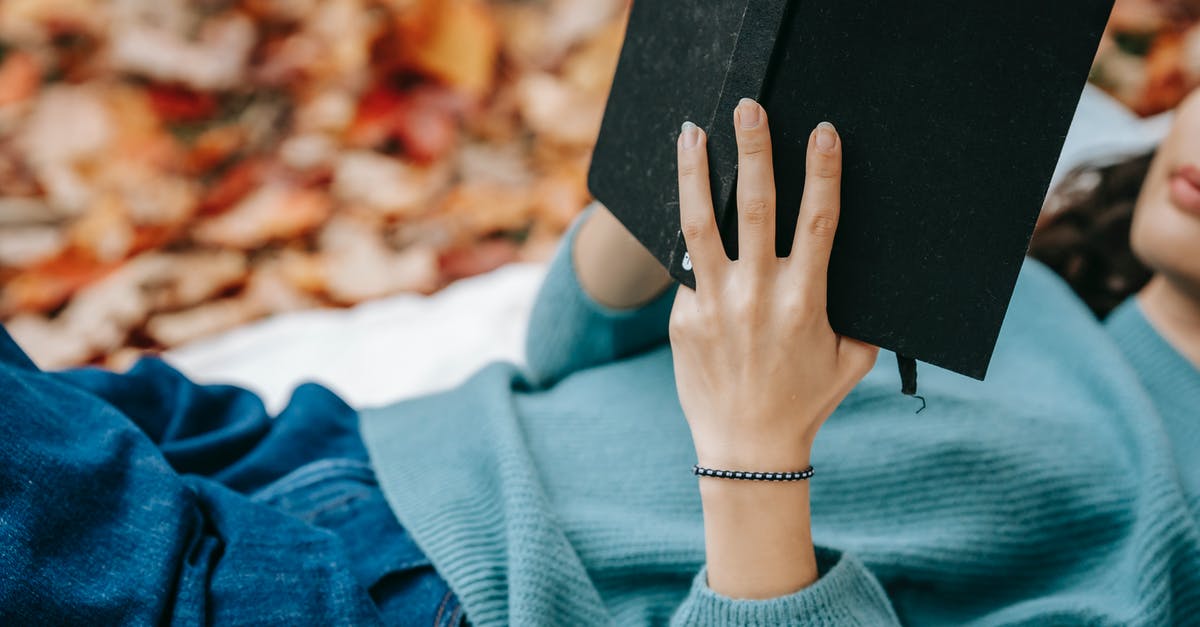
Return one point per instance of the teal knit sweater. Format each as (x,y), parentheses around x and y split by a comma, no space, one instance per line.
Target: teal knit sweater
(1064,490)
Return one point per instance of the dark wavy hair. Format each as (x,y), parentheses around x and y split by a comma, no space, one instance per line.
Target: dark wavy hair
(1086,239)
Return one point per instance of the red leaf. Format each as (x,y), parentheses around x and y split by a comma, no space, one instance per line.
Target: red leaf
(175,104)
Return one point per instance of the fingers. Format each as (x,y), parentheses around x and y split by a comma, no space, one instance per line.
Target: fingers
(697,219)
(819,210)
(755,185)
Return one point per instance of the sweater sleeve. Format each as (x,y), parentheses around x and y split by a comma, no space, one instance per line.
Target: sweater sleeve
(569,331)
(847,594)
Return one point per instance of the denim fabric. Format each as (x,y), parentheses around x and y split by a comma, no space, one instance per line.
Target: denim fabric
(144,499)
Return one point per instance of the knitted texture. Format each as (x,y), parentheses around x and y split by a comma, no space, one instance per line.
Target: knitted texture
(1173,383)
(561,495)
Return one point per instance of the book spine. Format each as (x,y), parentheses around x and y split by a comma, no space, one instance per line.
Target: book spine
(747,77)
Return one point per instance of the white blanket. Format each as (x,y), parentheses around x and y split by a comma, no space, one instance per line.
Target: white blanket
(410,345)
(378,352)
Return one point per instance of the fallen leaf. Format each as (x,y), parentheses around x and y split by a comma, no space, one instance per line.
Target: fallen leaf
(179,328)
(477,259)
(385,185)
(456,41)
(358,266)
(422,122)
(277,211)
(20,77)
(215,60)
(49,284)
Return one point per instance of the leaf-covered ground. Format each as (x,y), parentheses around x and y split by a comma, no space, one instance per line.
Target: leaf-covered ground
(173,168)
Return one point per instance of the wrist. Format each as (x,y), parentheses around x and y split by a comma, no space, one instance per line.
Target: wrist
(748,454)
(758,538)
(749,496)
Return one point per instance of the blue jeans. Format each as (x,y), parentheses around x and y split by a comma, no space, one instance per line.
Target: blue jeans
(144,499)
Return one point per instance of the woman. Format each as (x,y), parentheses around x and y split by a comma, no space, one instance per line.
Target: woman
(562,494)
(1047,494)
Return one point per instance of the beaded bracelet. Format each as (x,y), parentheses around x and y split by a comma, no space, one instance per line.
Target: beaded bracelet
(803,475)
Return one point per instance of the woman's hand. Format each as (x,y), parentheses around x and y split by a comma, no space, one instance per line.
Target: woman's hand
(757,366)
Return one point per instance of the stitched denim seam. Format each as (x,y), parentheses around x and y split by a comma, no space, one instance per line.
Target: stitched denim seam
(311,475)
(437,620)
(326,507)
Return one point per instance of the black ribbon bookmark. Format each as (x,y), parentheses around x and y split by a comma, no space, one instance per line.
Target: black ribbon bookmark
(908,379)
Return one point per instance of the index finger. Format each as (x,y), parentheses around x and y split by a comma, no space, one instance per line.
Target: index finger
(697,217)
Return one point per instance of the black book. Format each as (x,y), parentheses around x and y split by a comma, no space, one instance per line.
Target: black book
(953,116)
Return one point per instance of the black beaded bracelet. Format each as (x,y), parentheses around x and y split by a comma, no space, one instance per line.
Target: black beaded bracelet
(803,475)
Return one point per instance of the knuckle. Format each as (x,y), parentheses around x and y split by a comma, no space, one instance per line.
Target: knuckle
(694,229)
(827,168)
(800,309)
(675,329)
(756,211)
(822,226)
(755,148)
(677,335)
(754,145)
(689,169)
(745,306)
(692,321)
(680,325)
(793,301)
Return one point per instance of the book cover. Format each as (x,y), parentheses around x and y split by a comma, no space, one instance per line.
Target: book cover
(953,116)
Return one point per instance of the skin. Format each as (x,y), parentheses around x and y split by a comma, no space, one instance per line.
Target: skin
(764,319)
(1166,237)
(753,313)
(613,267)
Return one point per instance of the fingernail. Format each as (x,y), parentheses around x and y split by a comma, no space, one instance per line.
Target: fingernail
(750,113)
(690,136)
(826,137)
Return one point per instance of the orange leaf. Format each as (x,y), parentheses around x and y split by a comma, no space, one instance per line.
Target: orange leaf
(458,42)
(48,285)
(19,78)
(239,181)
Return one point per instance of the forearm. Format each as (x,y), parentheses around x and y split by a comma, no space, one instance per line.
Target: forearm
(758,538)
(573,327)
(613,267)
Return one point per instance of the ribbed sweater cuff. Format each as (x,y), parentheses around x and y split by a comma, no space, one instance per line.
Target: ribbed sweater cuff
(569,331)
(563,268)
(847,594)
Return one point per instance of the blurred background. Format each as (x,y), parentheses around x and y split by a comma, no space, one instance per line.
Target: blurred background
(173,169)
